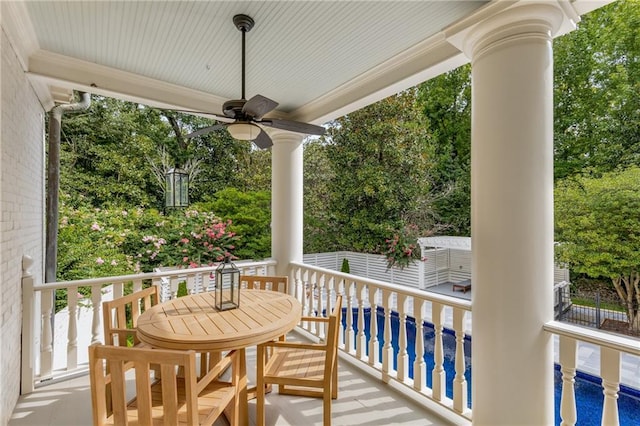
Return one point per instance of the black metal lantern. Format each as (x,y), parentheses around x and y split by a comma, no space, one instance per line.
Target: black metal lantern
(227,286)
(177,188)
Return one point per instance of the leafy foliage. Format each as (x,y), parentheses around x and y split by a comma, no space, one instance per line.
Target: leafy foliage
(446,104)
(111,154)
(597,81)
(599,232)
(103,156)
(251,216)
(379,157)
(402,248)
(318,226)
(106,242)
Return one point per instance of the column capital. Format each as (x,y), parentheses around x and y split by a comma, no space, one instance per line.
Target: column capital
(283,136)
(524,18)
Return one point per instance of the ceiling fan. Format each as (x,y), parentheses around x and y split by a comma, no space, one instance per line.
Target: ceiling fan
(243,118)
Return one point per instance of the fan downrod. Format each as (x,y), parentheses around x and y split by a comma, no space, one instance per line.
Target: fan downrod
(243,23)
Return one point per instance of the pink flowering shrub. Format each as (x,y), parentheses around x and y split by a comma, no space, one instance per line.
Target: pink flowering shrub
(105,242)
(402,248)
(190,238)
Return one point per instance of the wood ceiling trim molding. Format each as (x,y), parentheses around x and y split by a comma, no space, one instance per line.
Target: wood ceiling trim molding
(81,75)
(19,30)
(22,38)
(415,65)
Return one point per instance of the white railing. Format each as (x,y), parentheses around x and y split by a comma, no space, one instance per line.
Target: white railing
(390,306)
(316,288)
(612,349)
(41,362)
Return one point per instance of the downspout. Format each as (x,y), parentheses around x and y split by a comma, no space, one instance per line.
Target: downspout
(53,181)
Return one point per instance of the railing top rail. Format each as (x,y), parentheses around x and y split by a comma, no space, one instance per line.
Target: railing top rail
(599,338)
(407,291)
(146,275)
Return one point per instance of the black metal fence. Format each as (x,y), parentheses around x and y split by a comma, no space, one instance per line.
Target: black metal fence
(592,310)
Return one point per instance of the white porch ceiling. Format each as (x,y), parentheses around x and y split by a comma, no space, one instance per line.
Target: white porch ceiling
(318,59)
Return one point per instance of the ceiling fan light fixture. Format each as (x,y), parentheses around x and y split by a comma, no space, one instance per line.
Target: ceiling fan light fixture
(243,131)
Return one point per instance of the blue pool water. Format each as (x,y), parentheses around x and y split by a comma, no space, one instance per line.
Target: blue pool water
(589,395)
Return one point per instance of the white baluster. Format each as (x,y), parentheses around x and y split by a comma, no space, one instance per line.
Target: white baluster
(374,344)
(319,288)
(174,283)
(192,287)
(208,281)
(341,289)
(162,290)
(118,290)
(568,359)
(331,295)
(610,372)
(349,333)
(137,285)
(438,375)
(46,350)
(305,293)
(387,349)
(419,366)
(294,282)
(96,324)
(311,295)
(459,381)
(72,332)
(361,341)
(29,317)
(403,356)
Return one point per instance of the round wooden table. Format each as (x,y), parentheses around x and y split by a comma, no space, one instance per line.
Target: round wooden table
(193,323)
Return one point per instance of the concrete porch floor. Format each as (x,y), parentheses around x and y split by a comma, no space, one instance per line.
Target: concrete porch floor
(362,400)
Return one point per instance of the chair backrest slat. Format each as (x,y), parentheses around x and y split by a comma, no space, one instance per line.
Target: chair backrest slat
(169,395)
(142,358)
(118,392)
(265,282)
(335,320)
(143,392)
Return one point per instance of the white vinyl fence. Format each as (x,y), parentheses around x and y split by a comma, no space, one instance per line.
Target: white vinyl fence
(438,266)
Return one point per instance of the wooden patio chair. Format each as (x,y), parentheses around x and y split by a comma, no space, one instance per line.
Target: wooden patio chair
(120,319)
(265,282)
(172,400)
(306,369)
(120,316)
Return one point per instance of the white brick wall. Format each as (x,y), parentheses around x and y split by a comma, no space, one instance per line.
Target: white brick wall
(21,212)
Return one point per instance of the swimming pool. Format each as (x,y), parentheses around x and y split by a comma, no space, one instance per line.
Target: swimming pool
(588,391)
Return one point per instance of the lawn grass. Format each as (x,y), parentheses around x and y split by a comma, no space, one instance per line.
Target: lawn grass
(591,303)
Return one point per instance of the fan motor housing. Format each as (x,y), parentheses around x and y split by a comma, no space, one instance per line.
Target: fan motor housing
(233,108)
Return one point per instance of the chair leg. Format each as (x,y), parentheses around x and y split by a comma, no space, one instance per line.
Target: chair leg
(260,415)
(326,408)
(334,380)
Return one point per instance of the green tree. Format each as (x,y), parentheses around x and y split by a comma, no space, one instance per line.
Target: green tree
(446,103)
(319,235)
(597,81)
(117,153)
(250,213)
(599,233)
(380,158)
(102,159)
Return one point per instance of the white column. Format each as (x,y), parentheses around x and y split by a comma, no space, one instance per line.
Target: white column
(286,199)
(512,215)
